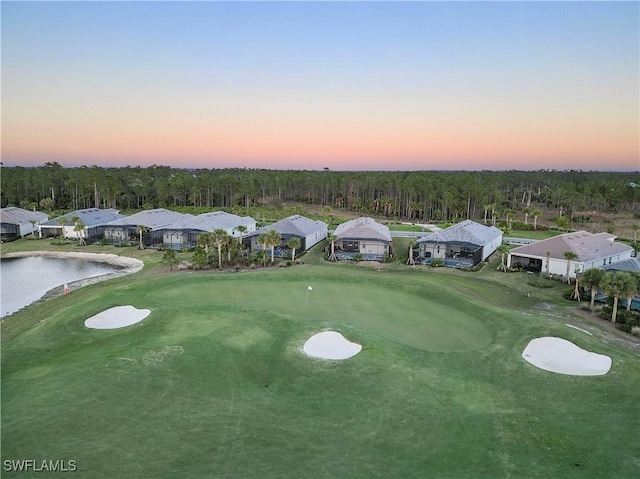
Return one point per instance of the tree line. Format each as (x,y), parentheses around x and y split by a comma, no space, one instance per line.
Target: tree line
(412,195)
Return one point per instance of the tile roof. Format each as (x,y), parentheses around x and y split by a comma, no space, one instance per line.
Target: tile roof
(90,217)
(464,232)
(212,221)
(295,225)
(153,219)
(631,264)
(19,216)
(586,246)
(363,228)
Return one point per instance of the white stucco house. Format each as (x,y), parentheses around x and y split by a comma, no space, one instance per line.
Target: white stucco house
(310,232)
(17,222)
(93,220)
(591,251)
(464,244)
(154,222)
(184,234)
(364,237)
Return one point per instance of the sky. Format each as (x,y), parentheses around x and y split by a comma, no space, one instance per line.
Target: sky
(312,85)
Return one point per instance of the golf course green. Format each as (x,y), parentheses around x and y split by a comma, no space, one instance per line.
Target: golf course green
(214,382)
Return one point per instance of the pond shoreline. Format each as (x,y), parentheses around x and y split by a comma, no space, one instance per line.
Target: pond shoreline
(125,264)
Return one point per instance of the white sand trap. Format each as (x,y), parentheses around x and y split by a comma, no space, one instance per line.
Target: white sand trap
(330,345)
(562,356)
(117,317)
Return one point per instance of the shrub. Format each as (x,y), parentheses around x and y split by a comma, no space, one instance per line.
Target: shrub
(635,330)
(357,257)
(436,263)
(630,318)
(605,312)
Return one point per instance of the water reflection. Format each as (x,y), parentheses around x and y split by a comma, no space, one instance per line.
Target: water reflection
(25,280)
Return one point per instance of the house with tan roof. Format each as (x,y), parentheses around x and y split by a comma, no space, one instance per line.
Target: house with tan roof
(591,251)
(364,238)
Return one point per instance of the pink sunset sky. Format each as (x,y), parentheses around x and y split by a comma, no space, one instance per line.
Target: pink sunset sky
(348,86)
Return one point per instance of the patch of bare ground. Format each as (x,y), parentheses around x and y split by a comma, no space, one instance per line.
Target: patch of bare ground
(621,223)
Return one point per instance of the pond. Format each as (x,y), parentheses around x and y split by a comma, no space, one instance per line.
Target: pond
(25,280)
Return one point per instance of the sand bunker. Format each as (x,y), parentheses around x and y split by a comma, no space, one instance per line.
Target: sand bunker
(117,317)
(562,356)
(330,345)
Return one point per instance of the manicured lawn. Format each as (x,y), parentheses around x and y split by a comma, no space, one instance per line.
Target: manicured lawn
(537,235)
(412,228)
(214,383)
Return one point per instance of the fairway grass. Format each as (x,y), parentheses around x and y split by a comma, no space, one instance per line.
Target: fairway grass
(214,382)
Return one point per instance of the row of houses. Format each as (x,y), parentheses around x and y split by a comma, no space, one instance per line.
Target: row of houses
(174,230)
(464,244)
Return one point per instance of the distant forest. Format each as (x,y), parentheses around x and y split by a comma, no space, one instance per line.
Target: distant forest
(411,195)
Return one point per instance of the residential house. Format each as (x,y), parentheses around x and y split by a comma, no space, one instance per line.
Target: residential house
(590,250)
(310,232)
(364,238)
(184,234)
(154,223)
(464,244)
(93,219)
(17,222)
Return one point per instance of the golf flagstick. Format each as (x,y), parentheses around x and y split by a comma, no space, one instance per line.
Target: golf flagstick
(309,288)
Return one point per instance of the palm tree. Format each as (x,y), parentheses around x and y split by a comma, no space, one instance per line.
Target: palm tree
(274,239)
(63,220)
(548,263)
(205,240)
(535,213)
(410,260)
(486,212)
(616,285)
(526,211)
(576,291)
(263,239)
(635,229)
(141,229)
(33,228)
(79,230)
(332,239)
(242,229)
(503,249)
(592,279)
(508,215)
(220,237)
(294,243)
(569,255)
(633,288)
